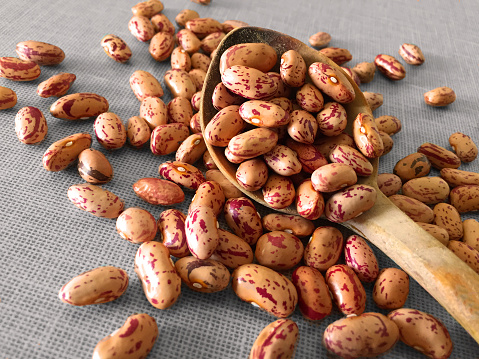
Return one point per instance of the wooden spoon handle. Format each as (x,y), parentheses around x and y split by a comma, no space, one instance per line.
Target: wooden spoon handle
(439,271)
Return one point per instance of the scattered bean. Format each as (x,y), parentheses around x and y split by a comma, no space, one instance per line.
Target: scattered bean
(276,340)
(30,125)
(203,275)
(324,248)
(95,200)
(440,96)
(94,167)
(136,225)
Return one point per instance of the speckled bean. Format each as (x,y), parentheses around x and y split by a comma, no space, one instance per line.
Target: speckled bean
(191,149)
(195,104)
(366,136)
(202,27)
(360,258)
(154,111)
(144,84)
(324,248)
(147,8)
(188,41)
(222,97)
(232,250)
(259,56)
(95,200)
(282,160)
(8,98)
(182,173)
(412,166)
(333,177)
(171,225)
(185,15)
(161,46)
(263,114)
(440,96)
(179,83)
(309,202)
(366,335)
(179,110)
(224,126)
(64,152)
(137,131)
(463,146)
(310,98)
(303,127)
(253,143)
(422,332)
(264,288)
(57,85)
(15,69)
(374,99)
(295,225)
(278,191)
(390,67)
(161,23)
(166,139)
(353,158)
(465,198)
(437,232)
(349,203)
(471,233)
(158,191)
(438,156)
(332,119)
(276,340)
(412,54)
(331,82)
(116,48)
(96,286)
(448,217)
(279,250)
(198,77)
(203,275)
(211,41)
(201,228)
(389,124)
(94,167)
(110,131)
(156,272)
(141,28)
(136,225)
(30,125)
(242,217)
(309,157)
(365,71)
(320,39)
(209,194)
(248,82)
(346,288)
(229,189)
(79,106)
(292,69)
(42,53)
(414,209)
(389,183)
(252,174)
(429,190)
(391,288)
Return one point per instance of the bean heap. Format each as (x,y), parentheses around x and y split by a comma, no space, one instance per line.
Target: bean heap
(285,131)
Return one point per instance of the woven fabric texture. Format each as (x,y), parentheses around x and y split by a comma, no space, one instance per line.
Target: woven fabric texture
(46,241)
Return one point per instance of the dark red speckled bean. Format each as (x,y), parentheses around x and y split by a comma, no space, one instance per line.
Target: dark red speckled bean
(158,191)
(232,250)
(8,98)
(276,340)
(166,139)
(116,48)
(256,55)
(331,82)
(141,28)
(30,125)
(182,173)
(110,131)
(438,156)
(348,292)
(79,106)
(57,85)
(279,250)
(360,257)
(161,46)
(242,217)
(391,288)
(226,124)
(39,52)
(95,200)
(324,248)
(203,275)
(201,228)
(64,152)
(171,226)
(144,84)
(249,82)
(350,203)
(390,67)
(15,69)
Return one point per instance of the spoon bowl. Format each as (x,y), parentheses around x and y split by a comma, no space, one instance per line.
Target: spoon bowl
(440,272)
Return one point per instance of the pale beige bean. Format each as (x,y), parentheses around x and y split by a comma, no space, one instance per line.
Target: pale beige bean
(96,286)
(138,328)
(437,232)
(232,250)
(209,194)
(389,183)
(211,41)
(278,191)
(224,126)
(324,248)
(188,41)
(243,218)
(179,83)
(308,155)
(182,173)
(365,71)
(64,152)
(471,233)
(203,275)
(310,98)
(166,139)
(249,82)
(94,167)
(156,272)
(30,125)
(331,82)
(147,8)
(253,143)
(8,98)
(412,166)
(349,203)
(136,225)
(309,202)
(463,146)
(414,209)
(42,53)
(422,332)
(179,110)
(320,39)
(390,67)
(137,131)
(116,48)
(440,96)
(412,54)
(391,288)
(158,191)
(252,174)
(336,54)
(229,189)
(333,177)
(353,158)
(263,114)
(201,231)
(161,46)
(347,337)
(276,340)
(389,124)
(259,56)
(257,285)
(360,257)
(79,106)
(161,23)
(95,200)
(429,190)
(141,28)
(332,119)
(282,160)
(438,156)
(347,290)
(185,15)
(465,198)
(154,111)
(466,253)
(143,84)
(171,225)
(110,131)
(366,136)
(374,99)
(448,217)
(15,69)
(292,69)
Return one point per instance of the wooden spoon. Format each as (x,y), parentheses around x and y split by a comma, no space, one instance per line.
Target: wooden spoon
(440,272)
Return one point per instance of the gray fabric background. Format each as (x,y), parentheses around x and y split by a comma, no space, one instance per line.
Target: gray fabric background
(45,241)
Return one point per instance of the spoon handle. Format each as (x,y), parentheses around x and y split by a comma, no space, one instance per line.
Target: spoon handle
(437,269)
